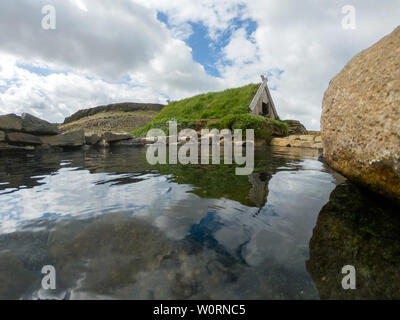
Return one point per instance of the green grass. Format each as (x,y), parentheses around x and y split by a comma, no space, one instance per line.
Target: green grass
(226,109)
(212,105)
(280,125)
(243,122)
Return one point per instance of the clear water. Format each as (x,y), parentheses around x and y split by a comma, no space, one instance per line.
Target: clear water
(115,227)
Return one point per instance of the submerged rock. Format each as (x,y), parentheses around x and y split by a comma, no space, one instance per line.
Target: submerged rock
(68,139)
(358,228)
(361,118)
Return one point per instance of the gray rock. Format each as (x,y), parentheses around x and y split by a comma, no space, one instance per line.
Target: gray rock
(149,140)
(68,139)
(24,138)
(7,147)
(11,122)
(32,124)
(130,142)
(92,138)
(113,137)
(2,136)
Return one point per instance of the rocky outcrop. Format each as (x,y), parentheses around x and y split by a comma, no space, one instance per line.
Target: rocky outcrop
(300,141)
(30,133)
(10,122)
(34,125)
(295,127)
(125,107)
(361,118)
(68,139)
(19,132)
(27,123)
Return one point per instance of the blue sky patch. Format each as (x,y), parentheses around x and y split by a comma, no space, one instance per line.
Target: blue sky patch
(161,16)
(206,51)
(35,69)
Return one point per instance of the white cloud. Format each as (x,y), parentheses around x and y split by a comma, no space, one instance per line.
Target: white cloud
(107,51)
(108,40)
(57,95)
(96,47)
(305,40)
(216,15)
(174,73)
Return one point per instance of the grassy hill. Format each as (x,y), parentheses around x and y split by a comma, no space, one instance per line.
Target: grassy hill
(224,109)
(116,121)
(117,117)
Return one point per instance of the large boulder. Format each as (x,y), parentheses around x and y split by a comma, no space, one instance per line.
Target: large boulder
(34,125)
(67,139)
(361,118)
(23,138)
(2,136)
(10,122)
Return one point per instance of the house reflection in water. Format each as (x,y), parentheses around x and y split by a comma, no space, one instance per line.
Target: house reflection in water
(259,190)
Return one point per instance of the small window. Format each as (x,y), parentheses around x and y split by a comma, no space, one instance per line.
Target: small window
(265,109)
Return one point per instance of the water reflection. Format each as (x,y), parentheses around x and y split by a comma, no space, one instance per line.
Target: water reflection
(361,229)
(115,227)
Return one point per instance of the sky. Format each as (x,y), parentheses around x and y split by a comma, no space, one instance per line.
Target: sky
(104,51)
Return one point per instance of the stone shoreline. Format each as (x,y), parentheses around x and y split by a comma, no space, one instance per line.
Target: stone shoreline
(30,133)
(27,132)
(299,141)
